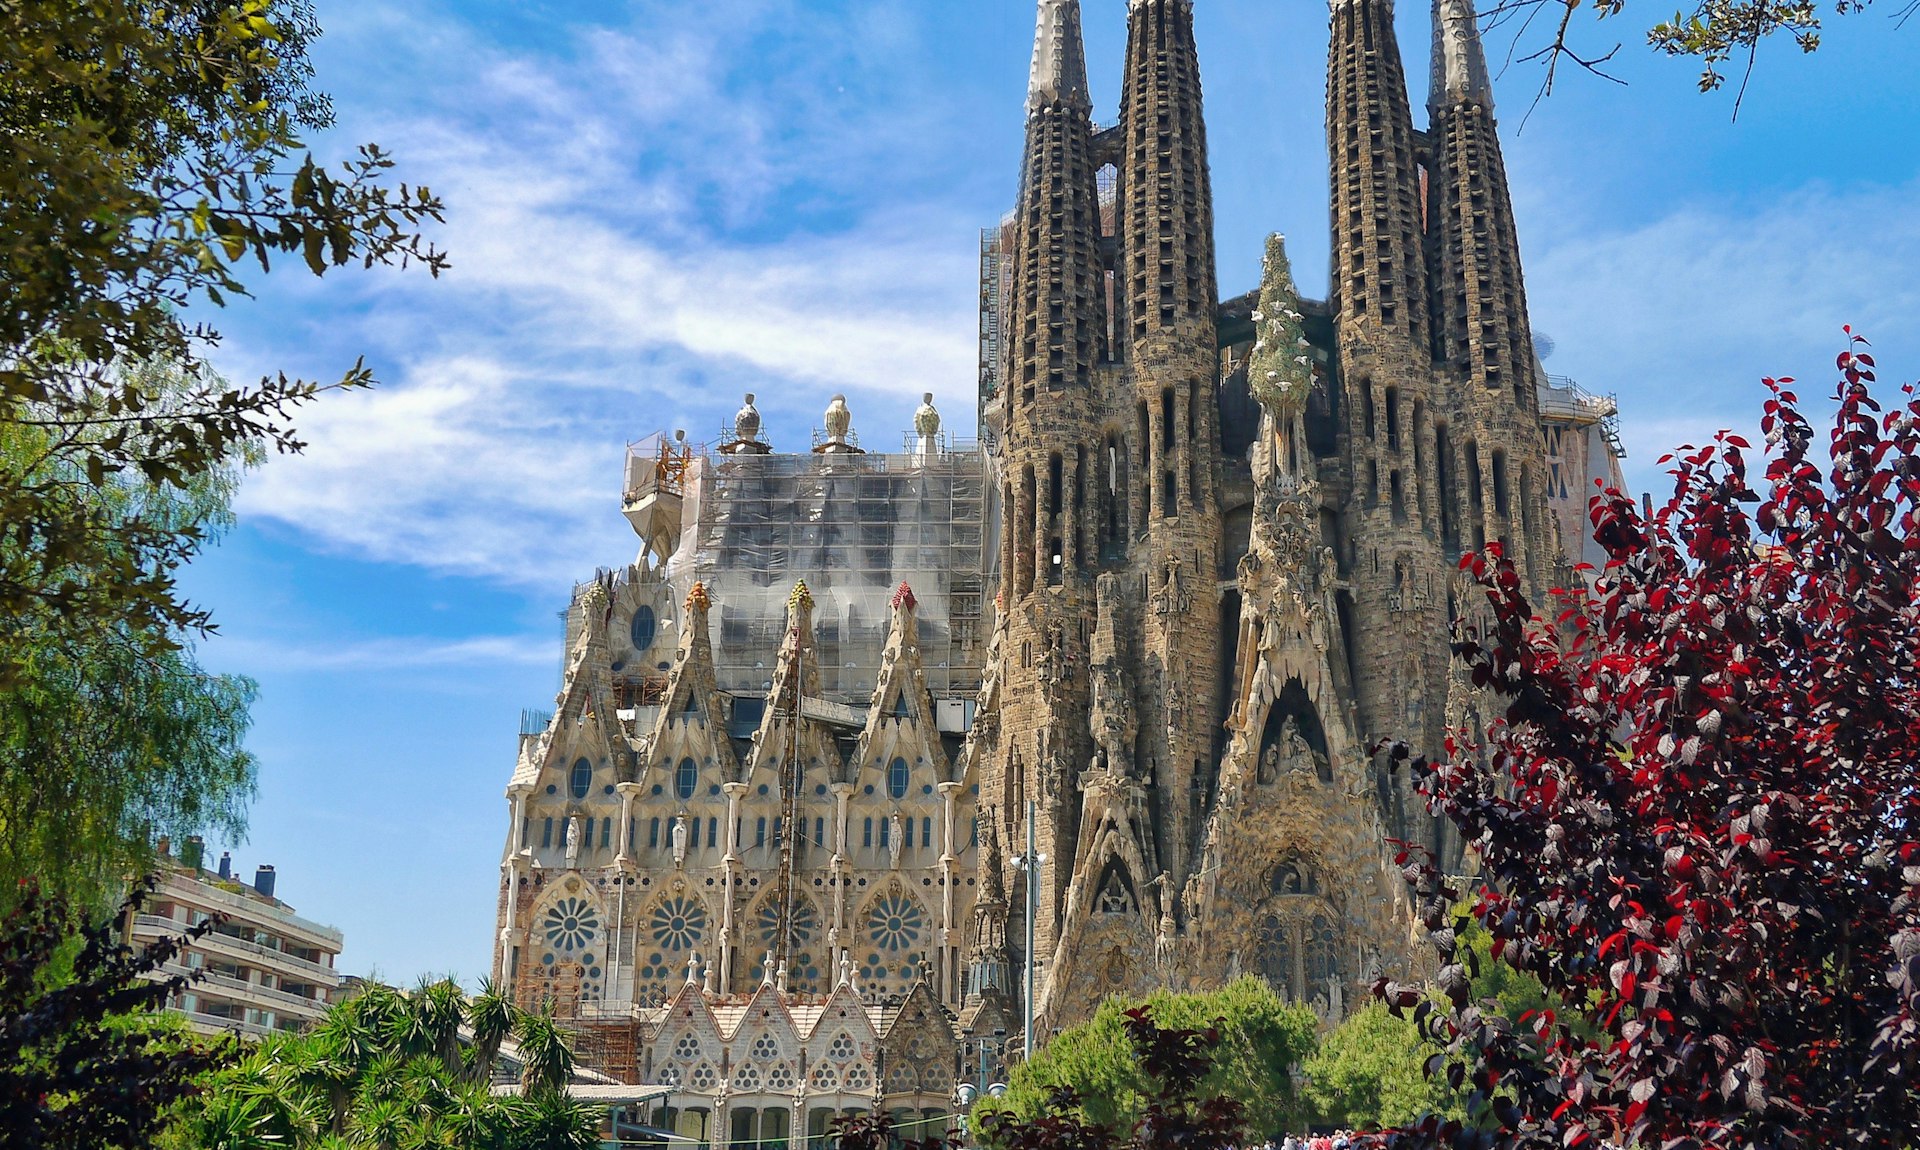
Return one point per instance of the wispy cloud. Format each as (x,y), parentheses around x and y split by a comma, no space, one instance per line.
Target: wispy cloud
(641,232)
(1684,316)
(388,654)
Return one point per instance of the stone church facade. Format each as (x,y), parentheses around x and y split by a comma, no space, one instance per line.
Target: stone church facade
(1204,554)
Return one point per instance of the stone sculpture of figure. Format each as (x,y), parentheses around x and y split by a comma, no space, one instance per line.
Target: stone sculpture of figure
(680,841)
(894,842)
(573,840)
(839,420)
(926,421)
(746,425)
(1113,898)
(1270,765)
(1163,944)
(1336,1008)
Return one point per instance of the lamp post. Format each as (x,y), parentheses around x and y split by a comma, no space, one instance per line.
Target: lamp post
(970,1092)
(1030,864)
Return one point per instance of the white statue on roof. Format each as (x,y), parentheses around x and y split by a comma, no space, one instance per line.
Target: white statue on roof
(747,424)
(839,420)
(926,421)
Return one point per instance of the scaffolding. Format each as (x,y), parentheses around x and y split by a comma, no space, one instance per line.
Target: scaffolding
(854,527)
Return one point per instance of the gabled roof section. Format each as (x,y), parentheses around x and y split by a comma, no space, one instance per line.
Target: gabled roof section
(692,689)
(901,690)
(585,706)
(796,673)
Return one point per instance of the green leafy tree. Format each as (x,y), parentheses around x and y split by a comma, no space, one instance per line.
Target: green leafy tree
(1715,32)
(151,158)
(87,1062)
(107,738)
(1372,1072)
(1261,1041)
(392,1071)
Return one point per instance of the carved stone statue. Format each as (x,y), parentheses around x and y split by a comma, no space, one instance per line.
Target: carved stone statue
(1163,944)
(746,425)
(679,837)
(573,840)
(894,840)
(1270,765)
(839,420)
(1114,898)
(926,421)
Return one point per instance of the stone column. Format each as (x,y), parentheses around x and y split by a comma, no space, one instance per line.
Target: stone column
(730,884)
(628,793)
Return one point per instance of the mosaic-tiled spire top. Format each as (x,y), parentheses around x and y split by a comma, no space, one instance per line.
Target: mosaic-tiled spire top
(1059,59)
(1459,59)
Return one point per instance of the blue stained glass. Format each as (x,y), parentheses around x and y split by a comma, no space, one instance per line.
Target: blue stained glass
(644,627)
(897,779)
(688,779)
(582,778)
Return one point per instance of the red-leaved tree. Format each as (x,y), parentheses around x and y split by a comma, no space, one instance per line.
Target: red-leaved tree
(1699,819)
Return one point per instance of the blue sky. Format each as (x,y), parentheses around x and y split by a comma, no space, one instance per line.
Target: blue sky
(655,206)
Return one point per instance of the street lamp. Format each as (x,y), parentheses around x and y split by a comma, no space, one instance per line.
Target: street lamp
(968,1092)
(1021,863)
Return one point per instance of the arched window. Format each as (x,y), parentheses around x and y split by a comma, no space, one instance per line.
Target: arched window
(644,627)
(688,780)
(897,779)
(582,778)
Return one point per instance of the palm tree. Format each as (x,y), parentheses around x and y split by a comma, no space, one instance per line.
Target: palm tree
(442,1010)
(546,1061)
(493,1017)
(556,1122)
(315,1065)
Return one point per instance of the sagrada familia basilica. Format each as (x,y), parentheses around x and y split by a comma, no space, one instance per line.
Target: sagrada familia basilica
(872,749)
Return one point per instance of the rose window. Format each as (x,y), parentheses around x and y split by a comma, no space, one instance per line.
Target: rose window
(678,924)
(823,1079)
(703,1077)
(896,923)
(858,1078)
(765,1049)
(571,925)
(670,1076)
(687,1049)
(780,1078)
(747,1078)
(803,969)
(901,1080)
(842,1048)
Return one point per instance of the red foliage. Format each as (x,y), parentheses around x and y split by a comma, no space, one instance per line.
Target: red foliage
(1700,817)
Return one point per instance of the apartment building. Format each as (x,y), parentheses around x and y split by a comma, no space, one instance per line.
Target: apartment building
(262,969)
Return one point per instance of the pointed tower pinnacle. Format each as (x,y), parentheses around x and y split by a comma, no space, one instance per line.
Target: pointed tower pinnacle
(1059,59)
(1459,60)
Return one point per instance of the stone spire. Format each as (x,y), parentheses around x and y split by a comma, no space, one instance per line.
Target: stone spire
(1166,190)
(1459,59)
(1059,59)
(1379,274)
(1481,335)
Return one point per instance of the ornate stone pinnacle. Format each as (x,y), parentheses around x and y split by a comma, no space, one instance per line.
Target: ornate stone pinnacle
(698,599)
(903,597)
(801,599)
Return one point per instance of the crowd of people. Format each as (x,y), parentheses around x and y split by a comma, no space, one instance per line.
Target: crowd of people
(1337,1140)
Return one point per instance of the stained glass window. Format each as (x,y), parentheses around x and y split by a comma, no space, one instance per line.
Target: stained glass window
(897,779)
(644,627)
(688,779)
(571,925)
(582,778)
(678,924)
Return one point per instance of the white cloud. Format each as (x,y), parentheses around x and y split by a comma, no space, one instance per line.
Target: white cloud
(389,654)
(1683,317)
(637,237)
